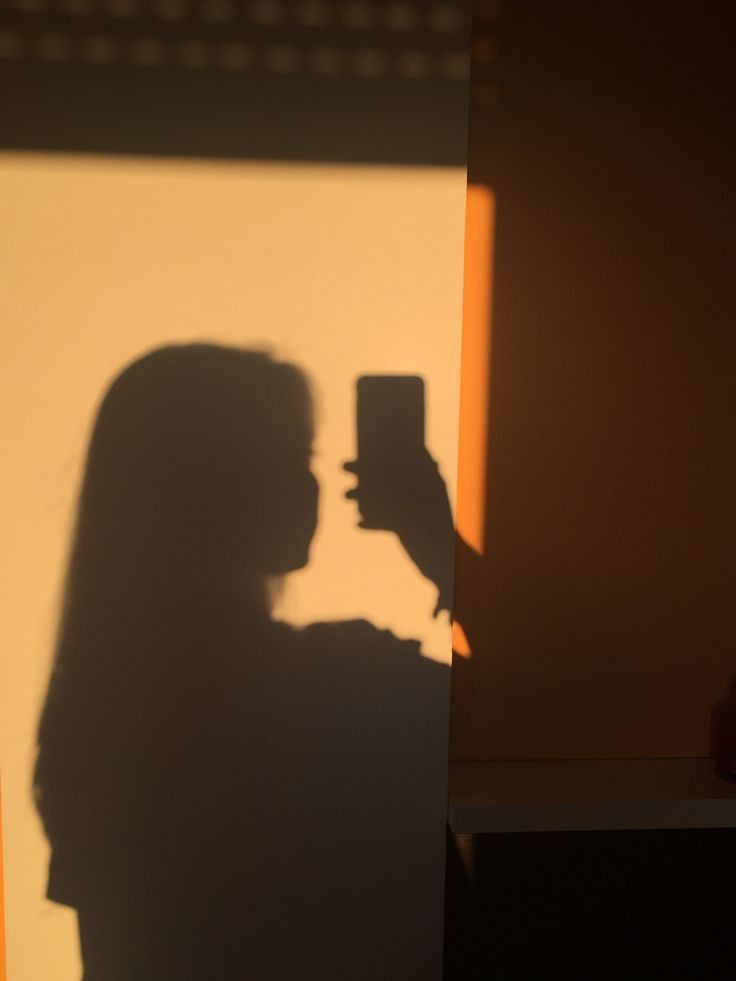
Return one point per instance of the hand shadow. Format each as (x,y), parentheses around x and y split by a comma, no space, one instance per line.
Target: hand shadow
(399,486)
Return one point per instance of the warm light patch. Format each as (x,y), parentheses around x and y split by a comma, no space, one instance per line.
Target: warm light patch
(2,901)
(475,380)
(105,258)
(475,366)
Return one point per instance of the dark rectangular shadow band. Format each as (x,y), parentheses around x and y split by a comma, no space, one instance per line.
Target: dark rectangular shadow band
(186,87)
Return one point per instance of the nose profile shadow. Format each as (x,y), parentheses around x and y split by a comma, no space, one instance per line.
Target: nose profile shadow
(227,796)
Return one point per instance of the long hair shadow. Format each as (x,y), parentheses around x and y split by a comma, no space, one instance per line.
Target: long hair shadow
(226,796)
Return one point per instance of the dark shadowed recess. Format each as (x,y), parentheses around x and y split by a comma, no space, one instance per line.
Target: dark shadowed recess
(607,905)
(610,151)
(314,80)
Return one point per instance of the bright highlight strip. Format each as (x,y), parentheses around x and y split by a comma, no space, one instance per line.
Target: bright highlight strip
(475,366)
(3,975)
(475,381)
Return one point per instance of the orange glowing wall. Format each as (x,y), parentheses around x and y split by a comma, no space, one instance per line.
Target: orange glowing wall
(472,487)
(475,365)
(2,903)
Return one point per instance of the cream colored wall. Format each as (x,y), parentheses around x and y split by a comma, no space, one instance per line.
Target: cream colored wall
(344,270)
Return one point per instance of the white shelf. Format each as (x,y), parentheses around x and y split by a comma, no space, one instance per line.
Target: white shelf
(588,795)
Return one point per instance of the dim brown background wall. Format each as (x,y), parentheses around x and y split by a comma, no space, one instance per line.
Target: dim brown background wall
(602,130)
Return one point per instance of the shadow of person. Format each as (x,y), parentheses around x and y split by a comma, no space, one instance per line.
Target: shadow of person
(227,796)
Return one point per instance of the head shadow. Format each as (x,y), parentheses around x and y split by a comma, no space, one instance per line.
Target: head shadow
(198,473)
